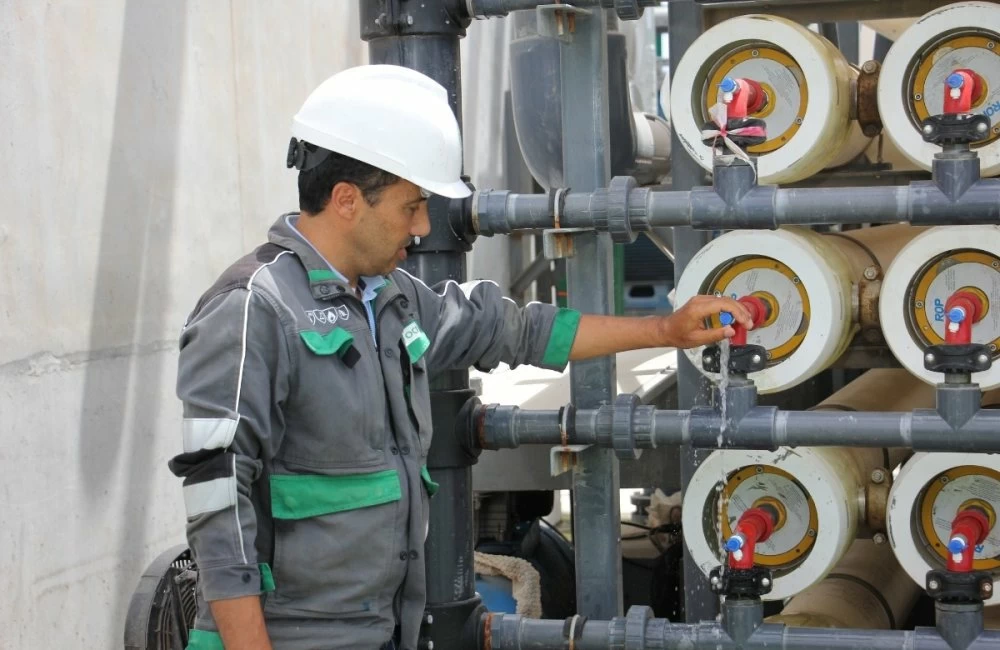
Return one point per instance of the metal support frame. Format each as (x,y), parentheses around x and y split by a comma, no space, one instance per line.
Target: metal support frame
(586,164)
(958,627)
(685,26)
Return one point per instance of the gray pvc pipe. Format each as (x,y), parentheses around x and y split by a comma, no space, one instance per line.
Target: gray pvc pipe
(511,632)
(920,203)
(508,427)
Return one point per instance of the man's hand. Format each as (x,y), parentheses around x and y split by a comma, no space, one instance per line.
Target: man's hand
(603,335)
(685,328)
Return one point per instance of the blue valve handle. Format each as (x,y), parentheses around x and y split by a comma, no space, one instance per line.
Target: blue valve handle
(956,314)
(957,545)
(728,85)
(726,318)
(734,543)
(954,80)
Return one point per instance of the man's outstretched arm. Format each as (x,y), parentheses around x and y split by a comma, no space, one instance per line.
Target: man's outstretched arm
(598,336)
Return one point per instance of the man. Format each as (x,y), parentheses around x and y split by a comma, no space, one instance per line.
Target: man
(305,370)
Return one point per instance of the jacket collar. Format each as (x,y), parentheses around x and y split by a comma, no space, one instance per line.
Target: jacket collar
(325,281)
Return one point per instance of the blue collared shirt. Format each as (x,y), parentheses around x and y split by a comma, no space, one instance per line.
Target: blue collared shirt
(369,285)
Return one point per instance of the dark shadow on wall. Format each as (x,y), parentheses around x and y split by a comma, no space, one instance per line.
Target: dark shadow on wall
(122,397)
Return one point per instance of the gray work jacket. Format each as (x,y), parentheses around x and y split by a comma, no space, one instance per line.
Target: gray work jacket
(305,440)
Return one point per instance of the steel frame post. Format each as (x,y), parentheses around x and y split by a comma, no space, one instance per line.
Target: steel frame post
(586,165)
(684,26)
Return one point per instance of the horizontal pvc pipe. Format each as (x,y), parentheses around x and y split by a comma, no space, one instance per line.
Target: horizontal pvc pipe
(511,632)
(508,427)
(920,203)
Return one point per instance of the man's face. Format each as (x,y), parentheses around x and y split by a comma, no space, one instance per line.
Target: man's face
(388,227)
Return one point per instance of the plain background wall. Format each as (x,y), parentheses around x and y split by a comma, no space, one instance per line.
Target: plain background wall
(142,147)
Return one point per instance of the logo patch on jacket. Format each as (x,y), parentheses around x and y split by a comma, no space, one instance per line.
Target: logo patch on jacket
(415,341)
(328,316)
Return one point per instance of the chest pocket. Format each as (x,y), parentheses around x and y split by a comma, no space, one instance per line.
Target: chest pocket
(335,419)
(413,346)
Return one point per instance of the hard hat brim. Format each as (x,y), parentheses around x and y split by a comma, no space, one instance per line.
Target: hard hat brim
(453,190)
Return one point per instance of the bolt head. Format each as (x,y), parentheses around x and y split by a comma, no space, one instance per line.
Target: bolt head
(879,538)
(982,359)
(869,67)
(878,476)
(928,129)
(929,358)
(714,581)
(430,645)
(982,127)
(933,584)
(756,358)
(765,582)
(988,587)
(871,273)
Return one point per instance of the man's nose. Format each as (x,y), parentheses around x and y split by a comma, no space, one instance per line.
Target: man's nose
(421,226)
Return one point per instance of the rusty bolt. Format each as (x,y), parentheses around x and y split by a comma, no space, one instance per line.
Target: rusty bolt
(878,476)
(871,273)
(869,67)
(870,130)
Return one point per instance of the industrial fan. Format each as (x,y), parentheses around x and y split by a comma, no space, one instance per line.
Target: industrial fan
(163,606)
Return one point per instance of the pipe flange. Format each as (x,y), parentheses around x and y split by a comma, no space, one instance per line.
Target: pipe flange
(621,427)
(618,218)
(635,627)
(628,9)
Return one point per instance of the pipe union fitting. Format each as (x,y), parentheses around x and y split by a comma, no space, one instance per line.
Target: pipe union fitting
(622,417)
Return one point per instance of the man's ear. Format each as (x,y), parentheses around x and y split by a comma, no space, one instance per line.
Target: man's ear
(345,200)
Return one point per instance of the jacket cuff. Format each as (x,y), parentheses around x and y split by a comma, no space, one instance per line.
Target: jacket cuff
(561,338)
(235,581)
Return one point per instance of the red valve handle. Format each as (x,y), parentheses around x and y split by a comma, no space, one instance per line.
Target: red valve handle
(759,311)
(972,526)
(755,525)
(748,97)
(961,332)
(971,89)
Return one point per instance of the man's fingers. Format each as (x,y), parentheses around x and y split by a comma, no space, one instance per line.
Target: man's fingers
(715,304)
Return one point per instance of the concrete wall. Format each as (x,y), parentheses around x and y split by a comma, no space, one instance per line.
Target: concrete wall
(142,146)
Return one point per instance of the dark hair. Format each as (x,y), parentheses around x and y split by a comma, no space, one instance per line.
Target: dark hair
(316,184)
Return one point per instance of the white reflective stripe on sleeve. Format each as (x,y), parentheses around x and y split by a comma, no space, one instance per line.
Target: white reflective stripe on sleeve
(208,433)
(210,496)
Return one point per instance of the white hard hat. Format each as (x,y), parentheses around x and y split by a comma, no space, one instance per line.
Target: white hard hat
(390,117)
